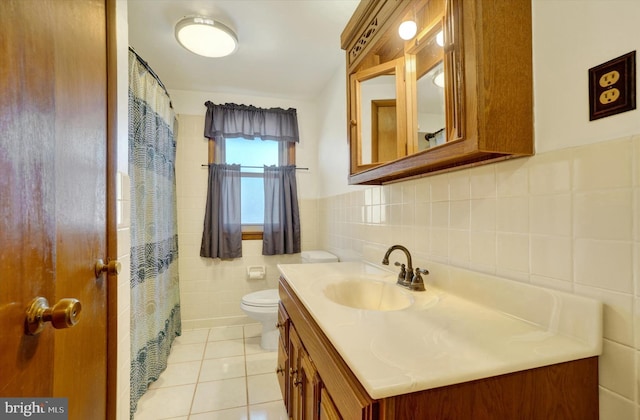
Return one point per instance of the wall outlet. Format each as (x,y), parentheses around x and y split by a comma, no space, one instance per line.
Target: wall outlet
(612,87)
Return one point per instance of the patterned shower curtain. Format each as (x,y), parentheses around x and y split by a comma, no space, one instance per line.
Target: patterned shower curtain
(155,294)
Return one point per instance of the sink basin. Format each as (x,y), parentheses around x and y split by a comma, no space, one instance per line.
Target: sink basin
(372,295)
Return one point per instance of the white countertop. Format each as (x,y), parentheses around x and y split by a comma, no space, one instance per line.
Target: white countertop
(466,326)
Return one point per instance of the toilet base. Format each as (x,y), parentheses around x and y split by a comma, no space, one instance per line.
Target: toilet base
(269,339)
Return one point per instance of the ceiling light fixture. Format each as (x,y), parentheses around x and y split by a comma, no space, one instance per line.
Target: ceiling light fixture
(407,29)
(205,36)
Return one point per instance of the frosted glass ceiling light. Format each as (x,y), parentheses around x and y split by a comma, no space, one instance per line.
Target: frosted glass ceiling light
(407,29)
(204,36)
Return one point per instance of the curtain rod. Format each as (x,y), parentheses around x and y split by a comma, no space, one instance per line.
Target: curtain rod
(151,72)
(256,167)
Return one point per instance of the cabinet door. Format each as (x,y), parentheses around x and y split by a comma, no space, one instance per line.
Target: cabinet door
(328,410)
(304,388)
(310,388)
(295,396)
(282,370)
(283,325)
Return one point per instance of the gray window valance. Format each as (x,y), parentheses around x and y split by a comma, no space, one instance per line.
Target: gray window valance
(249,122)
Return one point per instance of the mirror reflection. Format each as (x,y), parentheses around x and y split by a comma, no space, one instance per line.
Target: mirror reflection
(378,120)
(431,109)
(430,94)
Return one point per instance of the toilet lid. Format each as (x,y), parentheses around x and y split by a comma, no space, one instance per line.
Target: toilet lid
(262,298)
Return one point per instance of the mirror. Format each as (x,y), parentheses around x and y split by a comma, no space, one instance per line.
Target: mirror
(431,115)
(378,113)
(379,104)
(430,95)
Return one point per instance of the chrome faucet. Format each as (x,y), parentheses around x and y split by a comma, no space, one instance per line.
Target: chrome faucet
(406,277)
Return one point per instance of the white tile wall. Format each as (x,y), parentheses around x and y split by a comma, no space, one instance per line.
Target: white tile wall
(567,219)
(123,204)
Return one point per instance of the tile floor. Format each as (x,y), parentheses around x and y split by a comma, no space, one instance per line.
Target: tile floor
(216,374)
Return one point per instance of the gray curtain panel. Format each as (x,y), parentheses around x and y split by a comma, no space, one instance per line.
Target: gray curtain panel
(250,122)
(222,233)
(281,213)
(155,292)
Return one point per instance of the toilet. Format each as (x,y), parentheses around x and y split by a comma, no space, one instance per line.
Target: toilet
(263,305)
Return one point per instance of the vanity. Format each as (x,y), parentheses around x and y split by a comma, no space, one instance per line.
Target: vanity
(355,345)
(457,93)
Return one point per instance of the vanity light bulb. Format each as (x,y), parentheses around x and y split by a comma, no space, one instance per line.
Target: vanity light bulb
(407,29)
(438,79)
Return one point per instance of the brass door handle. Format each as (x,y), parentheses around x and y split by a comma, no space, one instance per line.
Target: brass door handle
(64,314)
(112,267)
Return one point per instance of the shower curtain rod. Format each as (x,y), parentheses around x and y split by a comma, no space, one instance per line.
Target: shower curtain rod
(152,73)
(256,167)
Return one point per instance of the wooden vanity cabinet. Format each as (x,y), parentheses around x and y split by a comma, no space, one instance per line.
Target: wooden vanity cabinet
(488,87)
(282,368)
(321,385)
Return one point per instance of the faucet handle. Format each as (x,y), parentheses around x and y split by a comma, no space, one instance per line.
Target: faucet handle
(417,283)
(402,276)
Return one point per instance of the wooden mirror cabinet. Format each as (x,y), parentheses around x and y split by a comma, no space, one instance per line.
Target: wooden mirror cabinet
(459,93)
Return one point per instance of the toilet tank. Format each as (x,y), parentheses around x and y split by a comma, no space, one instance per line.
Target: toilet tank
(318,256)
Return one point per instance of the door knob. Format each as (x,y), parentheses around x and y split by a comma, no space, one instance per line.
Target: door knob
(112,267)
(64,314)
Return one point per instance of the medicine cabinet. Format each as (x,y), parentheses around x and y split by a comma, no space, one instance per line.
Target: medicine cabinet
(459,93)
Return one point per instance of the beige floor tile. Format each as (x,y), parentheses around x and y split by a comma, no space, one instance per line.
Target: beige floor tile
(267,411)
(231,414)
(261,363)
(178,374)
(219,395)
(165,403)
(252,330)
(263,388)
(224,368)
(226,348)
(226,362)
(252,346)
(226,333)
(186,352)
(192,336)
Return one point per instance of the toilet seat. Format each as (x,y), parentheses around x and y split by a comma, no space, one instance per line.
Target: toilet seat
(262,299)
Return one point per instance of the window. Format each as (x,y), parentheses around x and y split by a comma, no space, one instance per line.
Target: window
(253,155)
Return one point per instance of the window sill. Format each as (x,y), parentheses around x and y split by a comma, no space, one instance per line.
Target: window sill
(251,236)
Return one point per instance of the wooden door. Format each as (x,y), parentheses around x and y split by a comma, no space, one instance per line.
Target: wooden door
(384,130)
(53,197)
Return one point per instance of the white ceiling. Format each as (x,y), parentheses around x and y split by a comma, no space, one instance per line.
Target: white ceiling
(287,48)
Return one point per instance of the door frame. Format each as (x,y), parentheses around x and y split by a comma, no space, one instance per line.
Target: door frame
(112,223)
